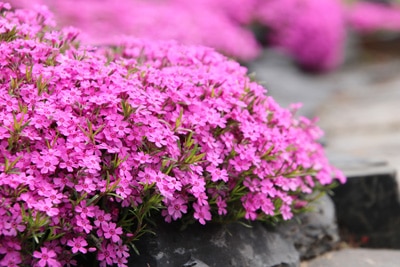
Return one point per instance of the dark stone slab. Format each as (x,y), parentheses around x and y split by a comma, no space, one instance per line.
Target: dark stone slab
(368,209)
(215,245)
(313,233)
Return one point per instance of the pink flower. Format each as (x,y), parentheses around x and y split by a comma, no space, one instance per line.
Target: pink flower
(286,212)
(157,139)
(217,174)
(142,158)
(101,218)
(176,207)
(202,213)
(86,185)
(55,197)
(11,259)
(121,128)
(46,258)
(13,227)
(111,231)
(107,254)
(221,204)
(83,224)
(122,251)
(48,207)
(85,211)
(78,244)
(46,164)
(198,185)
(76,143)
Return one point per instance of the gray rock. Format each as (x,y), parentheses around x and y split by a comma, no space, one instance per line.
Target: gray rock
(313,233)
(357,258)
(380,1)
(215,245)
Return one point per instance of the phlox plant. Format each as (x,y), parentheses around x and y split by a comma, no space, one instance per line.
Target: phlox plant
(95,141)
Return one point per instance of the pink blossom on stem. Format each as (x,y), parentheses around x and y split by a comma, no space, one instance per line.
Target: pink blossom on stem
(111,231)
(78,244)
(202,213)
(46,258)
(176,207)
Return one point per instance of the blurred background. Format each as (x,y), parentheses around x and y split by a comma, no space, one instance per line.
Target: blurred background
(340,58)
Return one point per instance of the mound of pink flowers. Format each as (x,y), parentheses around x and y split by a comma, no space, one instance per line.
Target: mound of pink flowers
(93,142)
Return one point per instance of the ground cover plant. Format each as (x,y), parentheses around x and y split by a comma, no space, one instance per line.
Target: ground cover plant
(94,141)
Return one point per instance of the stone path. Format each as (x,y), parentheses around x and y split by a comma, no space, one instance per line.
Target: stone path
(359,110)
(356,258)
(358,107)
(364,119)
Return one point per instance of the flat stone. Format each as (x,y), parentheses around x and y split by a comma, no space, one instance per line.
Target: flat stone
(353,166)
(215,245)
(356,258)
(313,233)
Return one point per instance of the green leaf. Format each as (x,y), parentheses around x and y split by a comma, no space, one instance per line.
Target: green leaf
(93,199)
(134,248)
(178,121)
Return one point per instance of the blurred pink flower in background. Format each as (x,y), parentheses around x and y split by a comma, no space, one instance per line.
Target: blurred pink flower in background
(367,17)
(189,22)
(312,31)
(241,11)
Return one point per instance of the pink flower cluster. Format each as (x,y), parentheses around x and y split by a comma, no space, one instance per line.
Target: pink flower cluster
(312,31)
(94,140)
(200,22)
(367,17)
